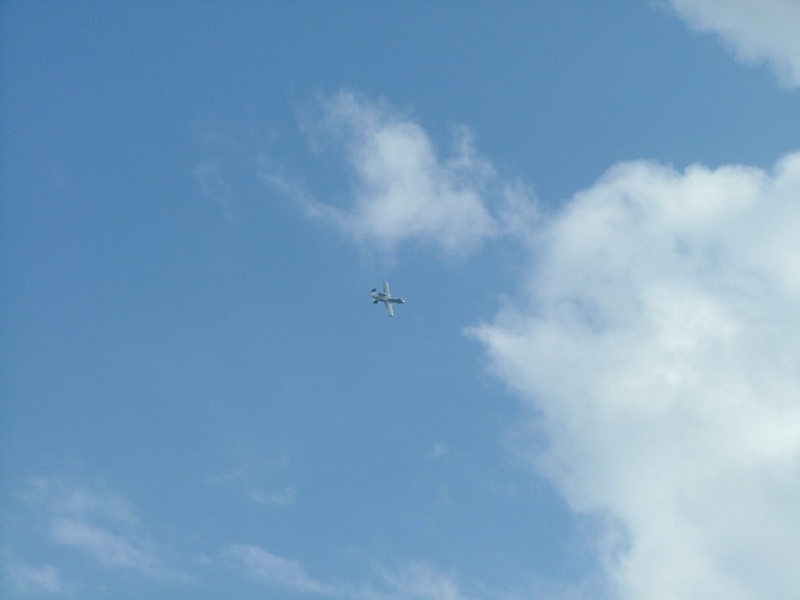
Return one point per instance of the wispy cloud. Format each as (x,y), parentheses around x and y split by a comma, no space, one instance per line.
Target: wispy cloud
(659,344)
(412,581)
(439,450)
(107,548)
(282,497)
(213,185)
(256,477)
(28,580)
(417,581)
(756,30)
(404,190)
(99,525)
(274,570)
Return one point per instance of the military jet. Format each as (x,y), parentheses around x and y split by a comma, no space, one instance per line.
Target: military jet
(386,297)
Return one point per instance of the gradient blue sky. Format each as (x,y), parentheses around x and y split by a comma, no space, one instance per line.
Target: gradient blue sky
(590,208)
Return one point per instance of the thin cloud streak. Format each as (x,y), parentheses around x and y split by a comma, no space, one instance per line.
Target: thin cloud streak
(412,581)
(254,477)
(27,580)
(274,570)
(283,497)
(418,581)
(212,185)
(99,525)
(109,549)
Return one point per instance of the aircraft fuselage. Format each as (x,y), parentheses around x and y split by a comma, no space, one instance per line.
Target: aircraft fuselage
(381,297)
(386,297)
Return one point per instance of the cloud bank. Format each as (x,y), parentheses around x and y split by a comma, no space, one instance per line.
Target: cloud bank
(658,344)
(757,31)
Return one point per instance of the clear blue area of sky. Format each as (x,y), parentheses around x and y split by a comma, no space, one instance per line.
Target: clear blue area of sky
(182,352)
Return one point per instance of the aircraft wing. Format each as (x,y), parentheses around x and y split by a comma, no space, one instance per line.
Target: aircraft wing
(386,289)
(390,309)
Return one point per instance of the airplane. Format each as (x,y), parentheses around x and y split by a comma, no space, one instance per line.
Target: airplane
(386,298)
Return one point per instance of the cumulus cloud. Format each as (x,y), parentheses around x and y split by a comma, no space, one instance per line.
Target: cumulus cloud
(658,347)
(403,189)
(656,343)
(757,30)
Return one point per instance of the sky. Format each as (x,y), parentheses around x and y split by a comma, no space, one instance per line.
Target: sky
(592,391)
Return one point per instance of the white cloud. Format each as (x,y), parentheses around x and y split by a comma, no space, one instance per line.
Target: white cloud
(274,570)
(659,345)
(209,178)
(283,497)
(403,190)
(253,476)
(439,450)
(107,548)
(412,581)
(757,30)
(418,581)
(97,524)
(29,580)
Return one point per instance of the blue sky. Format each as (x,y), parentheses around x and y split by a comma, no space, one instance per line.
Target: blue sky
(591,211)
